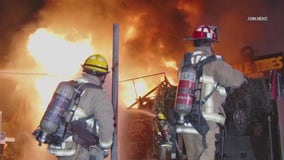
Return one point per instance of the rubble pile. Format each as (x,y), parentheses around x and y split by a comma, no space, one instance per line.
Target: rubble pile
(165,99)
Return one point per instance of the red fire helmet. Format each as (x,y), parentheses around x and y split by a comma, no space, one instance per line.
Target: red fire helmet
(204,32)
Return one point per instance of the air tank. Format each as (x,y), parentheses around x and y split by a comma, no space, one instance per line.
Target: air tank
(56,109)
(185,92)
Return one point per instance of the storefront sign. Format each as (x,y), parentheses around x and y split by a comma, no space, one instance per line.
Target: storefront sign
(260,66)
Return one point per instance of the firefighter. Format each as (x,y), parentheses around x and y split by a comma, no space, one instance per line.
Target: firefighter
(92,125)
(215,72)
(163,129)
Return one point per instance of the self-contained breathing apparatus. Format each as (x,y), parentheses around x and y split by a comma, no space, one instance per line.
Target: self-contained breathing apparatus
(188,100)
(56,125)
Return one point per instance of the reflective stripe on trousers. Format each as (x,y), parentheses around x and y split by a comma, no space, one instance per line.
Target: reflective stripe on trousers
(211,117)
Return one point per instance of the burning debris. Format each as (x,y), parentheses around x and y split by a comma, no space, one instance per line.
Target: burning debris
(165,99)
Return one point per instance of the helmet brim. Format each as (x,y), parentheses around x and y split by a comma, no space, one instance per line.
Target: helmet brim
(189,39)
(97,73)
(193,39)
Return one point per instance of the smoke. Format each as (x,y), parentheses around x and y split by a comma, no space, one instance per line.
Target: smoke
(151,33)
(236,30)
(14,16)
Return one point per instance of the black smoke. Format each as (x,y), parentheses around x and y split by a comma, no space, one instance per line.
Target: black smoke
(14,16)
(159,25)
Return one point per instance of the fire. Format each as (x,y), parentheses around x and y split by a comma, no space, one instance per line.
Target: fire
(58,57)
(133,90)
(130,32)
(171,64)
(56,54)
(193,9)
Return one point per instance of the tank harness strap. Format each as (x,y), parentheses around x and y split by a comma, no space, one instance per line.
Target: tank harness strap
(79,90)
(86,118)
(203,100)
(201,124)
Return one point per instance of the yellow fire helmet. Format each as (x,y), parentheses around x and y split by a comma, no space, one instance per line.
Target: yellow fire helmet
(161,116)
(96,64)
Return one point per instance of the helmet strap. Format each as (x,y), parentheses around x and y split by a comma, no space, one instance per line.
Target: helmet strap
(102,79)
(211,48)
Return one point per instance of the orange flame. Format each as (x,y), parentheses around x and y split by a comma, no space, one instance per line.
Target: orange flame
(171,64)
(133,90)
(58,58)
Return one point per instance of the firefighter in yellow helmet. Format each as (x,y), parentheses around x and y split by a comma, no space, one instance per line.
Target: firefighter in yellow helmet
(217,77)
(96,65)
(89,121)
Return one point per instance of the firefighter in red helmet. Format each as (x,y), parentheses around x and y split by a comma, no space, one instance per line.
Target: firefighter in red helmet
(217,77)
(78,123)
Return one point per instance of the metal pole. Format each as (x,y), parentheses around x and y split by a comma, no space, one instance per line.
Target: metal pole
(0,121)
(1,145)
(115,60)
(270,138)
